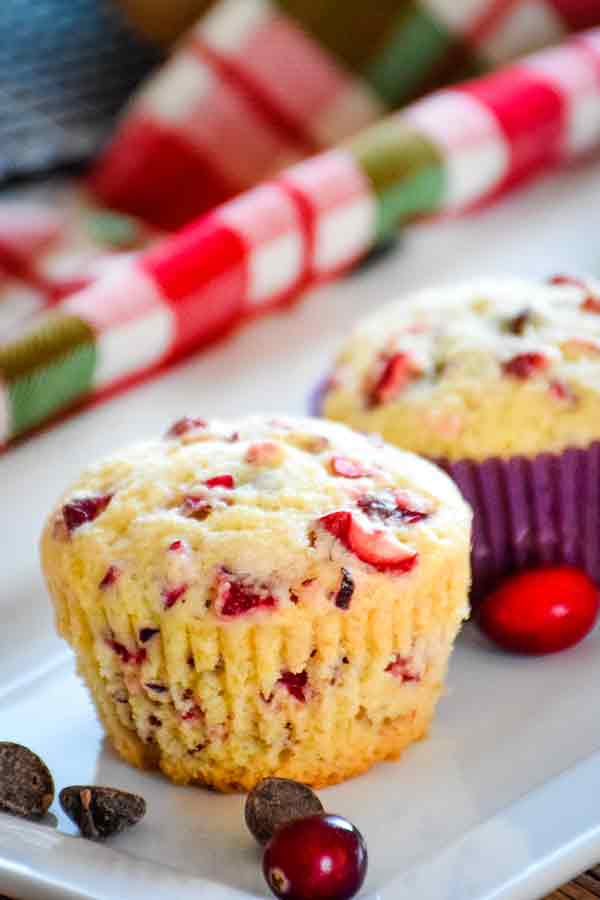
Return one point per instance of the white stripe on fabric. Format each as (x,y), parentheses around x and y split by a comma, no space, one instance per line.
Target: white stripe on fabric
(268,223)
(226,27)
(576,75)
(17,303)
(528,26)
(172,95)
(343,234)
(134,325)
(475,152)
(457,15)
(344,208)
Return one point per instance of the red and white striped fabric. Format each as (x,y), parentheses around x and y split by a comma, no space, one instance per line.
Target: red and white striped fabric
(218,94)
(497,130)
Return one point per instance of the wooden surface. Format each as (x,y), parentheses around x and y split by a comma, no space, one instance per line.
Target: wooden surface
(586,887)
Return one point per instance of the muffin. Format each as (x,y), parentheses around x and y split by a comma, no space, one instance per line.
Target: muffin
(500,382)
(261,597)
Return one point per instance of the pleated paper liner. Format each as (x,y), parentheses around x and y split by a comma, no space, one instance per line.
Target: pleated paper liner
(528,511)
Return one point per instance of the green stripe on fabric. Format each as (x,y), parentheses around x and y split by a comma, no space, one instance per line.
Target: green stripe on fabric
(415,45)
(47,368)
(348,29)
(405,169)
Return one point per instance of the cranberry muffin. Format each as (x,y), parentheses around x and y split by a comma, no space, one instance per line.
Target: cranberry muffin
(499,381)
(261,597)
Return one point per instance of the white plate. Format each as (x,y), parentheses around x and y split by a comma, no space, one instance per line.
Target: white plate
(502,801)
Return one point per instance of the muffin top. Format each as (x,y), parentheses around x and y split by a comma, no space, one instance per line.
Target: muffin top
(249,518)
(490,368)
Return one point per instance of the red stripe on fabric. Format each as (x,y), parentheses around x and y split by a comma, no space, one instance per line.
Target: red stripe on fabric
(493,16)
(157,174)
(20,267)
(577,14)
(531,115)
(202,274)
(264,106)
(306,215)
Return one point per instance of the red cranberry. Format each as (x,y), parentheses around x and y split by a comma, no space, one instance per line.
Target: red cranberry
(235,597)
(182,426)
(84,509)
(377,548)
(296,683)
(525,365)
(402,669)
(177,547)
(111,576)
(540,611)
(170,596)
(224,481)
(396,372)
(321,857)
(347,468)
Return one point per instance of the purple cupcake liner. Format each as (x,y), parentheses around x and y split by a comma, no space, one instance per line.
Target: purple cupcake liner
(528,511)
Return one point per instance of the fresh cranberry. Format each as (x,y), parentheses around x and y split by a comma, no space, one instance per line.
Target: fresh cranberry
(182,426)
(296,683)
(525,365)
(236,597)
(401,668)
(177,547)
(377,548)
(347,468)
(111,576)
(540,611)
(345,590)
(320,857)
(170,596)
(224,481)
(396,372)
(84,509)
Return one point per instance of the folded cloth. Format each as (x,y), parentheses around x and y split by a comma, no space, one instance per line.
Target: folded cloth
(259,84)
(453,150)
(49,251)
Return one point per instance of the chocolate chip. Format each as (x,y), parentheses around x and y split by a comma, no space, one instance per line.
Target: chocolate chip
(275,801)
(26,785)
(99,812)
(345,591)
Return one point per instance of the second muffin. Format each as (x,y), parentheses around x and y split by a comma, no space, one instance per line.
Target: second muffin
(499,381)
(264,597)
